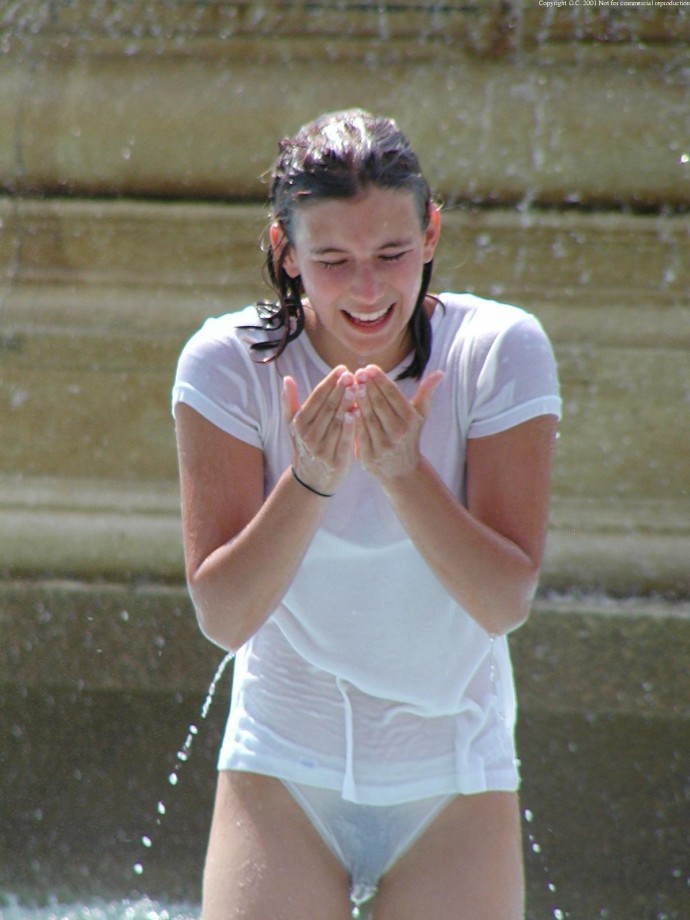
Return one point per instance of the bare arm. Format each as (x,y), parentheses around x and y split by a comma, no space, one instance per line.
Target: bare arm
(487,555)
(241,552)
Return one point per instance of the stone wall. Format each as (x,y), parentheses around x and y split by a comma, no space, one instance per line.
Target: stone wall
(558,138)
(131,157)
(107,292)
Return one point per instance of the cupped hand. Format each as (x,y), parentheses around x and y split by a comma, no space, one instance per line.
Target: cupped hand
(389,425)
(322,429)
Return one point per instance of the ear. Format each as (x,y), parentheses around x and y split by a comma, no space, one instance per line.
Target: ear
(432,233)
(280,244)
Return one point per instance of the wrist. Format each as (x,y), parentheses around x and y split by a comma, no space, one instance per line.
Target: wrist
(308,487)
(403,481)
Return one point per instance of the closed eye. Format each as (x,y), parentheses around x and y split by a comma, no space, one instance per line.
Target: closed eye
(383,257)
(394,257)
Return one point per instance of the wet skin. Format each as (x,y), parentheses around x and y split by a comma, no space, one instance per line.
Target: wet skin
(360,261)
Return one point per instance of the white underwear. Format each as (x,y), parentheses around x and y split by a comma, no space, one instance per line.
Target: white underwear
(367,839)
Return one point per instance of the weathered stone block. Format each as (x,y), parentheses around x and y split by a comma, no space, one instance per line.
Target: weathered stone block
(508,102)
(98,306)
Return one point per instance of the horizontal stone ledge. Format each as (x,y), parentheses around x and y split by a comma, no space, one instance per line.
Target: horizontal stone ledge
(95,404)
(112,530)
(484,27)
(101,296)
(602,655)
(595,128)
(184,29)
(90,529)
(587,654)
(102,637)
(161,267)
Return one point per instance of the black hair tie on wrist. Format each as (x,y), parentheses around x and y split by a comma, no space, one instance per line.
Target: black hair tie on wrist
(311,488)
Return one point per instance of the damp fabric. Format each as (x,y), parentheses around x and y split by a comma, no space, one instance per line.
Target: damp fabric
(369,680)
(367,839)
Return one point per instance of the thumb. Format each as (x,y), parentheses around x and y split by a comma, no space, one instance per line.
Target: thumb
(421,400)
(290,397)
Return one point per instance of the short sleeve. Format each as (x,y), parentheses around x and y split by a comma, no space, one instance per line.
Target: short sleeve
(217,377)
(517,378)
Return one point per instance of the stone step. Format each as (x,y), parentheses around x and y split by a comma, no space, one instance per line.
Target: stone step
(56,253)
(99,298)
(106,529)
(478,27)
(554,105)
(585,655)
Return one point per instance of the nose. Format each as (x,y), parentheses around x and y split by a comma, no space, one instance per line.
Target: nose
(365,285)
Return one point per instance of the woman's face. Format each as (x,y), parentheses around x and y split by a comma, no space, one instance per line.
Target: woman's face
(361,262)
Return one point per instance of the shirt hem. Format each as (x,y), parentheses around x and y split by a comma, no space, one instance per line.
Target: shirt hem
(543,405)
(183,393)
(500,779)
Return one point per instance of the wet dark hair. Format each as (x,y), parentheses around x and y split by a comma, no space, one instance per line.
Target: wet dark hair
(337,156)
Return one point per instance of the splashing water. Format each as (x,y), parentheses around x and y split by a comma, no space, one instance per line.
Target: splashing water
(535,846)
(143,909)
(182,757)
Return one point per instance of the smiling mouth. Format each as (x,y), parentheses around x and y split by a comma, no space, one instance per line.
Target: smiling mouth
(369,320)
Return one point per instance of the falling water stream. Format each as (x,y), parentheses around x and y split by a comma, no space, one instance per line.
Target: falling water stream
(184,754)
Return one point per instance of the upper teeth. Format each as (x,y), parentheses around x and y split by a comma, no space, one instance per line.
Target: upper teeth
(369,317)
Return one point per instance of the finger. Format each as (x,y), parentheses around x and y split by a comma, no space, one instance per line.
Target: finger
(346,441)
(326,395)
(363,440)
(422,399)
(290,398)
(387,413)
(326,410)
(322,435)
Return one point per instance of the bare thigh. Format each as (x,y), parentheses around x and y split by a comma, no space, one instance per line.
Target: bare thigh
(265,861)
(466,866)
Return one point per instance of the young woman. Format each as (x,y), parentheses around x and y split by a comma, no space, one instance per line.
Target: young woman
(365,473)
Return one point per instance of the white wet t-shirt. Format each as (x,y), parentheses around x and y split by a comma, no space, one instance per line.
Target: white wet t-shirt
(369,678)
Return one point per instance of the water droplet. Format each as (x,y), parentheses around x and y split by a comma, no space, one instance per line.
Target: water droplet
(214,683)
(685,158)
(528,815)
(558,914)
(185,750)
(535,847)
